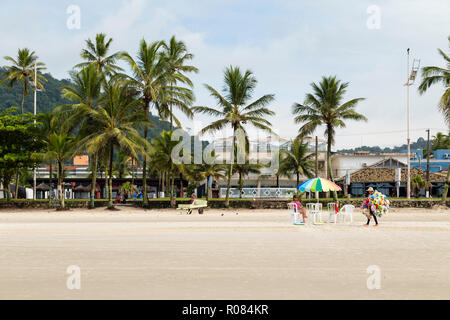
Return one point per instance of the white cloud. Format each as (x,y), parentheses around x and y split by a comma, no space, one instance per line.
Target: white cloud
(286,52)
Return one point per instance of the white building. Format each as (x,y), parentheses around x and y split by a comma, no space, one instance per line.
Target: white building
(343,163)
(262,150)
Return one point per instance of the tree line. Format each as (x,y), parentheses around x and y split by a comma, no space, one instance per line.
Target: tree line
(106,114)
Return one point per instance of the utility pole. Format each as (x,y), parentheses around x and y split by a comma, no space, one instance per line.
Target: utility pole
(317,164)
(410,82)
(317,157)
(428,163)
(408,174)
(35,109)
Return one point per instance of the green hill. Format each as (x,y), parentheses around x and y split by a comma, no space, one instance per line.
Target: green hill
(46,100)
(51,97)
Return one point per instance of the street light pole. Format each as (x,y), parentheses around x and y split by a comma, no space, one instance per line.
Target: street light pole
(409,82)
(428,163)
(35,109)
(408,175)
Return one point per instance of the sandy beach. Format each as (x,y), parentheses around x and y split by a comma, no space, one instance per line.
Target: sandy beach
(222,254)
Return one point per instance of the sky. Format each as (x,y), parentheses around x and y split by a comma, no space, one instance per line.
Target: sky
(287,44)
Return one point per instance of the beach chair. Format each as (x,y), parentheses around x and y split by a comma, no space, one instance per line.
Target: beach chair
(346,210)
(293,213)
(331,209)
(197,204)
(315,209)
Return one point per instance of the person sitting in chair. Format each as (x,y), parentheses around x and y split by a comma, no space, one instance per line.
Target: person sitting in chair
(298,206)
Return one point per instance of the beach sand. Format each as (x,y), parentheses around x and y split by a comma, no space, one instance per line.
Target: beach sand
(222,254)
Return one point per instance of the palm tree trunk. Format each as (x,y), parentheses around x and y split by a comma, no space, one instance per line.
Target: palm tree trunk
(111,155)
(6,185)
(330,171)
(16,191)
(230,172)
(298,178)
(159,184)
(60,185)
(171,119)
(172,198)
(23,99)
(144,161)
(163,183)
(106,182)
(93,180)
(278,181)
(240,185)
(132,172)
(181,186)
(50,187)
(444,194)
(207,188)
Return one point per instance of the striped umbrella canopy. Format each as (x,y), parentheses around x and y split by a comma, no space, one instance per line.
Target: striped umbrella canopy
(318,184)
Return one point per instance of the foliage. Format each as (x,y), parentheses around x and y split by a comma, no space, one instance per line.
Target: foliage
(22,70)
(325,107)
(96,54)
(128,188)
(19,147)
(235,109)
(418,184)
(432,75)
(298,160)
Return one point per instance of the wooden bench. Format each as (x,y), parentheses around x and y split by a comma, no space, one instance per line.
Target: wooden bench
(198,204)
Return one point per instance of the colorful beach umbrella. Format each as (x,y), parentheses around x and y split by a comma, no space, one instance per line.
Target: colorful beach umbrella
(318,184)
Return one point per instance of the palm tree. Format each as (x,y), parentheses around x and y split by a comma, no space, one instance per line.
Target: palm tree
(297,160)
(60,147)
(432,75)
(84,93)
(117,117)
(243,170)
(417,184)
(235,110)
(149,78)
(97,54)
(121,165)
(440,141)
(49,125)
(210,169)
(177,56)
(162,157)
(325,106)
(22,71)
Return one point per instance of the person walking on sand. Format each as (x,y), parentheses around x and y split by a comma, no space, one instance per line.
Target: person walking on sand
(299,207)
(370,213)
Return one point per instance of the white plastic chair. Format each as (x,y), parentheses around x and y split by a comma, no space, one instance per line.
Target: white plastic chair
(315,209)
(331,211)
(293,213)
(347,210)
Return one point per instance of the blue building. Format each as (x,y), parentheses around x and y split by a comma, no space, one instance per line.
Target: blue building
(440,160)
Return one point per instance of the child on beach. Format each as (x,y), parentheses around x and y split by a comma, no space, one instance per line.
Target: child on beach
(299,207)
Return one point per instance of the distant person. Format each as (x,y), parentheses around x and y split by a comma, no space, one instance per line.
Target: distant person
(370,213)
(191,201)
(298,206)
